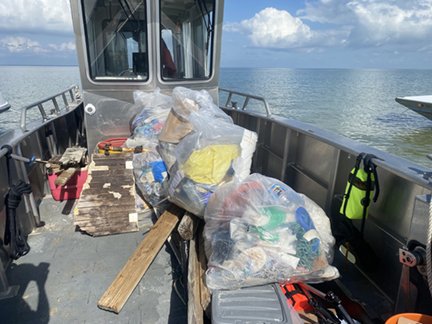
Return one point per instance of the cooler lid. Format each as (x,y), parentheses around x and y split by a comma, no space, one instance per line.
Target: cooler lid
(260,304)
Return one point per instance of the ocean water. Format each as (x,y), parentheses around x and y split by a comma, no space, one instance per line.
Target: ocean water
(359,104)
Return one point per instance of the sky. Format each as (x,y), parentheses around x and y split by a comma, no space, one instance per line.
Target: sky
(387,34)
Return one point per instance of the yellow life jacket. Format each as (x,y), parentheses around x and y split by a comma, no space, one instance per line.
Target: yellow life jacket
(357,197)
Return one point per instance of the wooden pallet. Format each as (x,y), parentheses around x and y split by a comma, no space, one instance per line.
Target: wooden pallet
(107,203)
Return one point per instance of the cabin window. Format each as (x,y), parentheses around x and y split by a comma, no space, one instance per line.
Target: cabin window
(186,39)
(116,38)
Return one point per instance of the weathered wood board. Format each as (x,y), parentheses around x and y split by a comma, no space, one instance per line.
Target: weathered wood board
(202,263)
(107,204)
(64,177)
(67,163)
(127,279)
(195,310)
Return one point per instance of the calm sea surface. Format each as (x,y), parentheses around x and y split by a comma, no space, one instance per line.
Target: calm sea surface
(358,104)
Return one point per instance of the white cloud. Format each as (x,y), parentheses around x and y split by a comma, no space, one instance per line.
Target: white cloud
(25,45)
(63,47)
(288,33)
(377,23)
(263,32)
(49,16)
(333,11)
(67,46)
(21,44)
(427,49)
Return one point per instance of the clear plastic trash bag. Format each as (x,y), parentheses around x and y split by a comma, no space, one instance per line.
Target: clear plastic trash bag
(150,175)
(178,125)
(260,231)
(215,153)
(148,124)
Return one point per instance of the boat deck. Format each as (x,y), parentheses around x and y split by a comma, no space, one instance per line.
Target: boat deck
(67,272)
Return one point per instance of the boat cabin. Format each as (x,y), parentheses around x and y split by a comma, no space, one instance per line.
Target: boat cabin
(125,46)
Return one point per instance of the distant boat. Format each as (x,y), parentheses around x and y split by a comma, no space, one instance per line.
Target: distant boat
(420,104)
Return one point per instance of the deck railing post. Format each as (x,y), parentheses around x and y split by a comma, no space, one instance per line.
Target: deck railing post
(56,106)
(42,111)
(229,99)
(245,103)
(65,100)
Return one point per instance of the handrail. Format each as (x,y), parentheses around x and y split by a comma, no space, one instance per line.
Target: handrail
(40,103)
(248,96)
(3,152)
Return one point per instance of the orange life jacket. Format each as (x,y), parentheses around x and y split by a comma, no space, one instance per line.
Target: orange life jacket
(296,298)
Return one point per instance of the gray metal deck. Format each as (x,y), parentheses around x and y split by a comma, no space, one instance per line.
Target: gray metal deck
(66,273)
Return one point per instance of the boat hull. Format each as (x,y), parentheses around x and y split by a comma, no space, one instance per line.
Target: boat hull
(419,104)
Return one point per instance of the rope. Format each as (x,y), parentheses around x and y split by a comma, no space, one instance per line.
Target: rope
(305,252)
(13,236)
(429,248)
(18,245)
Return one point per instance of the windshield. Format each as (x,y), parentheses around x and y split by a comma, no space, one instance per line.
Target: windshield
(186,38)
(116,37)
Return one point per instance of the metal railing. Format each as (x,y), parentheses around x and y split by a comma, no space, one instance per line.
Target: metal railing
(54,102)
(247,98)
(3,152)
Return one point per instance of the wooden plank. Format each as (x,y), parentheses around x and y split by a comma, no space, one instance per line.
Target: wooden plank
(195,312)
(116,156)
(122,287)
(202,260)
(99,182)
(102,210)
(102,156)
(107,204)
(108,229)
(188,226)
(101,231)
(110,174)
(111,196)
(114,218)
(111,163)
(105,188)
(101,203)
(65,176)
(102,221)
